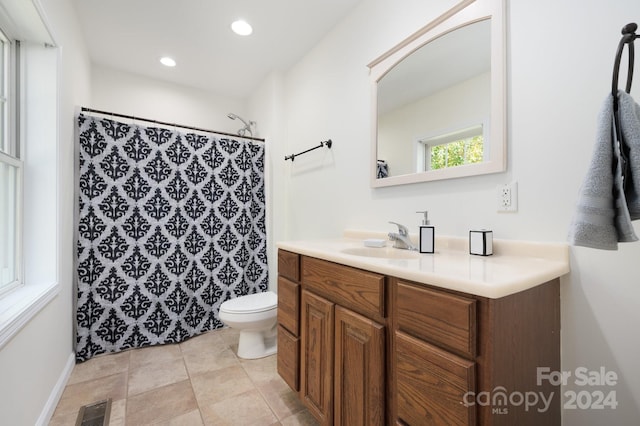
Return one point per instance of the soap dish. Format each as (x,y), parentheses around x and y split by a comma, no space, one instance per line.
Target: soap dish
(375,242)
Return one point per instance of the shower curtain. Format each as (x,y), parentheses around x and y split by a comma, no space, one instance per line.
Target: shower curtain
(170,225)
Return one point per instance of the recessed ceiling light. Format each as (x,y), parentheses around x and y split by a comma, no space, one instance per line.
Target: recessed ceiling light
(241,27)
(167,61)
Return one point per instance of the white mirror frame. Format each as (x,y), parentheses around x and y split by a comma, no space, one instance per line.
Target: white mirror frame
(464,13)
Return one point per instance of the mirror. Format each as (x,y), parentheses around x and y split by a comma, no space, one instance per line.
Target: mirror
(439,99)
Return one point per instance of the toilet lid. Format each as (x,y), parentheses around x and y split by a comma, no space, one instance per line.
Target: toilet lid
(258,302)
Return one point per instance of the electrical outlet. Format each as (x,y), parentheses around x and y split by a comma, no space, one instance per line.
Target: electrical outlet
(507,197)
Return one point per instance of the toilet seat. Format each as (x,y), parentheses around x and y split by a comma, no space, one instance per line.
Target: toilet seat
(251,303)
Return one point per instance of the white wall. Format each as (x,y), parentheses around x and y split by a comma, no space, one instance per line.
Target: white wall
(34,364)
(130,94)
(267,103)
(559,66)
(556,94)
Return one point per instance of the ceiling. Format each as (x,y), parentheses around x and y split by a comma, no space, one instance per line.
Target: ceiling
(132,35)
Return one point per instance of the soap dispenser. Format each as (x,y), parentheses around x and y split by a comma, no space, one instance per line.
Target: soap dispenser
(427,235)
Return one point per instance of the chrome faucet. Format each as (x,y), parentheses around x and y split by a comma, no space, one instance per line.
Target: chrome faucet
(401,239)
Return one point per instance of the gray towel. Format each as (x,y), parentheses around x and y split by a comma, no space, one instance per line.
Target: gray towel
(630,125)
(602,217)
(383,169)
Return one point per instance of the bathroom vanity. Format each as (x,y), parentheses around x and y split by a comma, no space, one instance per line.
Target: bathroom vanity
(385,336)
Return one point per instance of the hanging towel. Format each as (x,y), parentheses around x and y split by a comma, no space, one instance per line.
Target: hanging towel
(629,112)
(602,217)
(383,169)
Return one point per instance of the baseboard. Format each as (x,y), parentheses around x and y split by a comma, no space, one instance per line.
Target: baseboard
(56,393)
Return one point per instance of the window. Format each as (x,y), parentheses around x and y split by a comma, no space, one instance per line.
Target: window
(452,149)
(10,172)
(29,195)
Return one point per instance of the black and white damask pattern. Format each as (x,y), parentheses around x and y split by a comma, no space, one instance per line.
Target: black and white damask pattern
(170,226)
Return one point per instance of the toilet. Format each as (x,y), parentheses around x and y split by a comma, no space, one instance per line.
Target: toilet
(255,315)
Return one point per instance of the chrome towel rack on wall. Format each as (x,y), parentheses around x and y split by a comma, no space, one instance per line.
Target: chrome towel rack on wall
(326,143)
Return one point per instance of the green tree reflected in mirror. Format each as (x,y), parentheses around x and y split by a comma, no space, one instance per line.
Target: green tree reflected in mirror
(456,153)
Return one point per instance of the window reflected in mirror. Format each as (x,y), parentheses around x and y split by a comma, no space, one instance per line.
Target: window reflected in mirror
(457,148)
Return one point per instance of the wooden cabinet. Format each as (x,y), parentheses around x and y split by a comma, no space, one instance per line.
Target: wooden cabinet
(361,348)
(342,335)
(454,354)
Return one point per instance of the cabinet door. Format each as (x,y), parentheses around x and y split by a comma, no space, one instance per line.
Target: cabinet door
(317,356)
(359,370)
(431,384)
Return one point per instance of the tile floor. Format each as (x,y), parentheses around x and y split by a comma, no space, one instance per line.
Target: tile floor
(198,382)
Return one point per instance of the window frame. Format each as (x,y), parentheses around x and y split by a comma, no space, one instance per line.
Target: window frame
(425,145)
(11,149)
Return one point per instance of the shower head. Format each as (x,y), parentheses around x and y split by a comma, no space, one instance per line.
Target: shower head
(247,125)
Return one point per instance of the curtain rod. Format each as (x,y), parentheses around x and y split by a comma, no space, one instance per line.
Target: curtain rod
(131,117)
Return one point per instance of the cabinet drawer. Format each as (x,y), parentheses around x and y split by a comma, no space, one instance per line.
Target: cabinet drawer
(289,265)
(289,305)
(432,384)
(289,358)
(441,318)
(356,289)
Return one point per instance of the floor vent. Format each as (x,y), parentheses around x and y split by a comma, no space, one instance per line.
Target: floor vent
(96,414)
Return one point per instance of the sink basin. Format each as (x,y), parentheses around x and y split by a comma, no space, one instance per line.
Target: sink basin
(381,253)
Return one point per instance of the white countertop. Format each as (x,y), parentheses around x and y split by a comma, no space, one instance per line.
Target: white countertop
(515,265)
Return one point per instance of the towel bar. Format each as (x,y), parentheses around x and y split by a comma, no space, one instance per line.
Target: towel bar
(326,143)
